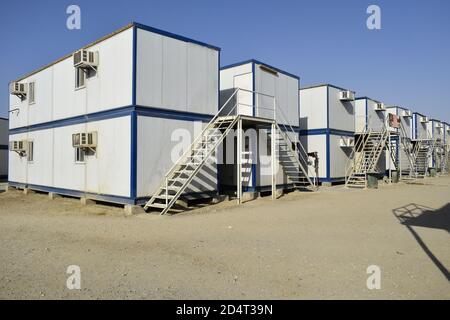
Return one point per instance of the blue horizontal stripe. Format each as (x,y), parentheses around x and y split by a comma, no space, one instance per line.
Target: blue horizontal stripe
(4,147)
(172,114)
(324,131)
(115,113)
(75,193)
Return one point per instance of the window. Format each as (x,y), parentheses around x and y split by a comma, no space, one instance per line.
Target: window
(79,155)
(80,78)
(31,93)
(30,151)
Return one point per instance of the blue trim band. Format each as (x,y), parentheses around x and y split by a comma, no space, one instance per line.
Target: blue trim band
(4,147)
(174,36)
(333,132)
(75,193)
(172,114)
(115,113)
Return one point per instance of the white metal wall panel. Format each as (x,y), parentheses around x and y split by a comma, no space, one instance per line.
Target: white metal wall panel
(105,172)
(164,136)
(341,113)
(360,115)
(177,75)
(339,157)
(317,143)
(375,119)
(313,108)
(17,166)
(286,91)
(57,98)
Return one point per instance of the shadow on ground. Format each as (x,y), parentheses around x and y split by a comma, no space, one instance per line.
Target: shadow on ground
(415,215)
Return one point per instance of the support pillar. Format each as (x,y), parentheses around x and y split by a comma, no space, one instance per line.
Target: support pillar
(239,162)
(273,154)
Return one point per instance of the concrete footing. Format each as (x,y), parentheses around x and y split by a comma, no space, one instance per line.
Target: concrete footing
(279,193)
(247,196)
(86,201)
(326,184)
(220,198)
(133,209)
(53,196)
(27,191)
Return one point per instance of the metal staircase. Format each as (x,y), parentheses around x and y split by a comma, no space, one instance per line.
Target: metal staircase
(178,178)
(292,158)
(189,164)
(405,157)
(366,153)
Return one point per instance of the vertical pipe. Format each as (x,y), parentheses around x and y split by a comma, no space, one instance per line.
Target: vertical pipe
(273,155)
(239,162)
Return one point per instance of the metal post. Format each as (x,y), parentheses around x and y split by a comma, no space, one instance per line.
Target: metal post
(274,157)
(239,162)
(390,155)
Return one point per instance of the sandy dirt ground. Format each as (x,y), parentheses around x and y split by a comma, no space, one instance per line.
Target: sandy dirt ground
(301,246)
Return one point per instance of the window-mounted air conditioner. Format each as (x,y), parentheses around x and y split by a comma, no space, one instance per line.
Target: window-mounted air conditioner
(17,146)
(347,142)
(346,95)
(424,119)
(380,106)
(439,125)
(85,59)
(18,89)
(407,114)
(84,140)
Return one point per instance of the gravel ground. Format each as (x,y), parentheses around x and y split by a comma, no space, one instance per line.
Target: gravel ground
(302,246)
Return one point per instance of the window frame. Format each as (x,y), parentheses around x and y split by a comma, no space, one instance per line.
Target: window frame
(30,151)
(78,72)
(79,153)
(31,84)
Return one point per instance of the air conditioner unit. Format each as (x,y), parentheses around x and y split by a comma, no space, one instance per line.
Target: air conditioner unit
(347,142)
(18,89)
(84,140)
(407,113)
(380,106)
(17,146)
(439,125)
(346,95)
(424,119)
(85,59)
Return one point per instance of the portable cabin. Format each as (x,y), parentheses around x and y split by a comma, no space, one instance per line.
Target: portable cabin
(327,126)
(437,134)
(265,93)
(370,117)
(102,123)
(3,149)
(420,127)
(403,130)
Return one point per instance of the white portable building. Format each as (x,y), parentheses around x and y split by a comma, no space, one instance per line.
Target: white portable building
(327,126)
(370,114)
(267,92)
(146,89)
(3,149)
(420,127)
(406,131)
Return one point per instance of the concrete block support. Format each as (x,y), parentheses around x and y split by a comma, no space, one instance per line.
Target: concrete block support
(133,209)
(52,195)
(326,184)
(85,201)
(27,191)
(248,196)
